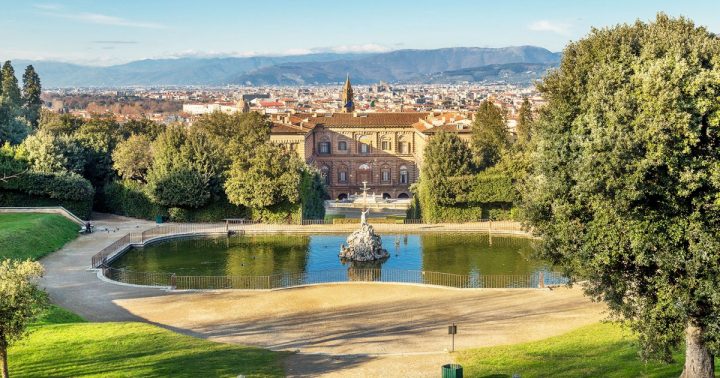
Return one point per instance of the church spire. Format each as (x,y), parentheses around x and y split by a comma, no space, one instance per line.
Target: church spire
(347,96)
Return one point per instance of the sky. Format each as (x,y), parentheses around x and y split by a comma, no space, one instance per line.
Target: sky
(105,32)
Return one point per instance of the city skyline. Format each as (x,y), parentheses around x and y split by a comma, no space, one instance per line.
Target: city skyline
(107,33)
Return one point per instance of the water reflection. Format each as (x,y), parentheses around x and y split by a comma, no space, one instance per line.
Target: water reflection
(258,255)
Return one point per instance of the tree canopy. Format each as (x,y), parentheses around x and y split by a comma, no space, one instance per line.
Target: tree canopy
(21,300)
(269,177)
(489,135)
(625,184)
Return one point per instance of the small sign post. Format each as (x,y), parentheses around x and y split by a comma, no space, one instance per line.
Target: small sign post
(452,330)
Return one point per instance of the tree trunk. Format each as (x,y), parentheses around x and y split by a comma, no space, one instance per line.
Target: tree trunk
(699,363)
(3,357)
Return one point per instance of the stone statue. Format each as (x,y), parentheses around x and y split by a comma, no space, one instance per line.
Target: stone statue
(363,244)
(363,216)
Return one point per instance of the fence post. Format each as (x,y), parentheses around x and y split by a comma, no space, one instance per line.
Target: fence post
(173,282)
(541,280)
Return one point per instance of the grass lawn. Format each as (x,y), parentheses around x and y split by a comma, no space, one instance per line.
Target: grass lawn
(63,345)
(598,350)
(27,235)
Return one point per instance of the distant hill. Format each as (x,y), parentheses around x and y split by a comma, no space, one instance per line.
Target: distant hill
(396,66)
(327,68)
(512,73)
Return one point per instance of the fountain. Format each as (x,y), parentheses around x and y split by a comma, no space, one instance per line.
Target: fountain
(363,244)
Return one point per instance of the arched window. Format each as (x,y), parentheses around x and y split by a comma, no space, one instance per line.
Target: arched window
(342,174)
(342,145)
(386,196)
(403,175)
(324,146)
(364,145)
(403,196)
(325,173)
(386,144)
(385,174)
(342,196)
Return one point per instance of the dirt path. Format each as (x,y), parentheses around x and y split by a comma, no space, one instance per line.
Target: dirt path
(338,330)
(358,329)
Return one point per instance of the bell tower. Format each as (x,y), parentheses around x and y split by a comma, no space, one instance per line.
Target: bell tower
(347,96)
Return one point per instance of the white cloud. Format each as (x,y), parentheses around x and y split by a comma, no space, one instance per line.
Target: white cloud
(47,7)
(101,19)
(550,26)
(364,48)
(343,49)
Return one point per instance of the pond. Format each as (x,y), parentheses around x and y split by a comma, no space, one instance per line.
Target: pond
(261,255)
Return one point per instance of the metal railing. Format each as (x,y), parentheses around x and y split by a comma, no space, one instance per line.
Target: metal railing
(107,254)
(286,280)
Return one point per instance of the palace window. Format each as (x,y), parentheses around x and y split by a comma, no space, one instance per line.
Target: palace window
(403,175)
(364,148)
(404,147)
(386,174)
(325,173)
(342,146)
(324,148)
(342,176)
(385,145)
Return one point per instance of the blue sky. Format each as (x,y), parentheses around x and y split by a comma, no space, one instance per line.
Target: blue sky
(110,32)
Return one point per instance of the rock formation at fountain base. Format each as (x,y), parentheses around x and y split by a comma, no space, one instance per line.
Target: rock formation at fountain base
(363,245)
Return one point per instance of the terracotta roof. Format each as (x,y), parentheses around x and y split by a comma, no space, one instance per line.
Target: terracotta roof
(405,119)
(279,128)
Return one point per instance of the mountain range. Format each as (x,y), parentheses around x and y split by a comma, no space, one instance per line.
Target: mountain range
(517,64)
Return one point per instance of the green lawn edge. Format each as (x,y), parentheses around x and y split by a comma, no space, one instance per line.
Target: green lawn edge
(598,350)
(34,235)
(61,344)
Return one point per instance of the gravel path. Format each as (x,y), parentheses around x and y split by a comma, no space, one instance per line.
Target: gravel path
(348,330)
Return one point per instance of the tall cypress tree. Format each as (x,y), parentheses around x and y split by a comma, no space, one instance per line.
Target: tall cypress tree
(489,135)
(31,95)
(10,88)
(524,124)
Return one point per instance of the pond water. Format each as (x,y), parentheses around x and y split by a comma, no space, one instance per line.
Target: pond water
(259,255)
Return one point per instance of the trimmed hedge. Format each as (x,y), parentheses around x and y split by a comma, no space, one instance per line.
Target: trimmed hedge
(129,198)
(69,190)
(486,195)
(82,209)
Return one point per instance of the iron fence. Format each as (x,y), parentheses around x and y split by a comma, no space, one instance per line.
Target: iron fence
(105,256)
(286,280)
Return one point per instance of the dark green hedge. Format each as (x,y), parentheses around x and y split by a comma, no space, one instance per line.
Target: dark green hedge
(488,186)
(49,189)
(129,199)
(486,195)
(82,209)
(61,186)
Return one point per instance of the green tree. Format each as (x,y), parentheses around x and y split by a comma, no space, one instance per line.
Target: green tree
(241,132)
(98,137)
(445,156)
(625,188)
(31,96)
(21,301)
(145,126)
(524,122)
(133,158)
(10,90)
(489,135)
(44,153)
(59,123)
(13,128)
(269,177)
(181,187)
